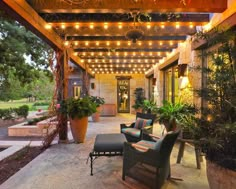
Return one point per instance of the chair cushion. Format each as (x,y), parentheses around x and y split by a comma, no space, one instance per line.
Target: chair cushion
(141,123)
(132,131)
(147,144)
(109,142)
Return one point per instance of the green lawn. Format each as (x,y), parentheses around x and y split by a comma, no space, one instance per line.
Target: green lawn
(16,103)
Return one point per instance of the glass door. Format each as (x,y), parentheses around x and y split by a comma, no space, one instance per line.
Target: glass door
(171,84)
(123,96)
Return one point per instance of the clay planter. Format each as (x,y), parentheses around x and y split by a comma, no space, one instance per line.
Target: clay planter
(96,115)
(79,129)
(140,110)
(219,177)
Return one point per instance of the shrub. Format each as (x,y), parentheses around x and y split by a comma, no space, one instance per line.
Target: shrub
(14,113)
(41,104)
(22,111)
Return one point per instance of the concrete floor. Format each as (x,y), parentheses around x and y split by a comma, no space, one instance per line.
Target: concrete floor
(63,166)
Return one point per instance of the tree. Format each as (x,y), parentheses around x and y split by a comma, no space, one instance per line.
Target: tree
(41,88)
(22,54)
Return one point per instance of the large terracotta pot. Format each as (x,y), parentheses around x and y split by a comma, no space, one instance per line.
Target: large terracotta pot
(219,177)
(79,128)
(96,115)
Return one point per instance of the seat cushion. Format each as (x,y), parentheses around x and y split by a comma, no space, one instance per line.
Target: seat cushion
(147,144)
(109,142)
(150,144)
(131,131)
(141,123)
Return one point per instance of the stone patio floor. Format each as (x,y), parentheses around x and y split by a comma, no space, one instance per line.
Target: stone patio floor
(63,166)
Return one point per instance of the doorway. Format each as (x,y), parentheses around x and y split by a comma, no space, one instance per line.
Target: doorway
(123,95)
(76,91)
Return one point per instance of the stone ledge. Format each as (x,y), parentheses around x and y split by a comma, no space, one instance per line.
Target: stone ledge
(41,129)
(9,151)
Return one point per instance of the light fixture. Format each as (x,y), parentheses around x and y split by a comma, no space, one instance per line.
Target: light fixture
(177,25)
(120,26)
(91,26)
(135,33)
(63,26)
(105,26)
(48,26)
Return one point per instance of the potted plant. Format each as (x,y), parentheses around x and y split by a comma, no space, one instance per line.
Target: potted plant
(177,111)
(78,111)
(149,106)
(218,122)
(139,98)
(98,101)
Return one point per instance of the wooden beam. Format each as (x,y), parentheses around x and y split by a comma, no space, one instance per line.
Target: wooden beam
(156,30)
(110,18)
(91,6)
(27,16)
(89,50)
(120,38)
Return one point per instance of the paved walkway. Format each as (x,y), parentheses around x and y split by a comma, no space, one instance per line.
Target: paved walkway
(63,166)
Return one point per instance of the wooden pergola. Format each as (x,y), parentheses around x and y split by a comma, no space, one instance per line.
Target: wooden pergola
(112,37)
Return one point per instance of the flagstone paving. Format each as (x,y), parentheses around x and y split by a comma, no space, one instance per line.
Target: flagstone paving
(63,166)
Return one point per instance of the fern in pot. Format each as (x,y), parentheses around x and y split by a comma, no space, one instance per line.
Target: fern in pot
(78,111)
(98,101)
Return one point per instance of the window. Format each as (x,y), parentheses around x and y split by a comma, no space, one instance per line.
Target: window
(171,83)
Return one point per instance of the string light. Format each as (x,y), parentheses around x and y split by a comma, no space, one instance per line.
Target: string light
(91,26)
(48,26)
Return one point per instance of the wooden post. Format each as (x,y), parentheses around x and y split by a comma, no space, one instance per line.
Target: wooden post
(62,94)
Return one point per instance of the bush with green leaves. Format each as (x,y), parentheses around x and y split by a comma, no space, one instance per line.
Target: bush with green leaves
(78,108)
(149,106)
(41,104)
(218,122)
(97,100)
(14,113)
(178,111)
(139,98)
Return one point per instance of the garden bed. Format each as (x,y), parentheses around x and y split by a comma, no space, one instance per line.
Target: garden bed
(4,123)
(40,128)
(9,166)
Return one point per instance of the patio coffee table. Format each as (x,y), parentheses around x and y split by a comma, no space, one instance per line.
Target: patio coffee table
(107,145)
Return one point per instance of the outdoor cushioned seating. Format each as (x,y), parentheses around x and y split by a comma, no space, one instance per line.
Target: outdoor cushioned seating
(133,132)
(154,155)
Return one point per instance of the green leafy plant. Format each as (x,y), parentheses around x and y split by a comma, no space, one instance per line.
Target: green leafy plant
(14,113)
(97,100)
(177,111)
(218,122)
(149,106)
(139,98)
(78,108)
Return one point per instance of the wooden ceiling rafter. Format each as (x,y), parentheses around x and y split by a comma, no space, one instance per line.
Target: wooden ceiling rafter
(103,6)
(81,27)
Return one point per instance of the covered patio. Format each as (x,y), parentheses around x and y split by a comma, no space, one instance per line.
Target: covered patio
(64,166)
(109,49)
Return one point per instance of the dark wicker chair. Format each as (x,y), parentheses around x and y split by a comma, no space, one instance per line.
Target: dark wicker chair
(136,134)
(156,155)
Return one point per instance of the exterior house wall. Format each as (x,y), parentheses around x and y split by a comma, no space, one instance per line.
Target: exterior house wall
(105,86)
(185,56)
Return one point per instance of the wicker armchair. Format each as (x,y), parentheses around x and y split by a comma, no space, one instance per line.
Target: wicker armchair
(133,134)
(153,154)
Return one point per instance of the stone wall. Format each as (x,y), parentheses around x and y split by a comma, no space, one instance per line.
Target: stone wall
(105,85)
(193,60)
